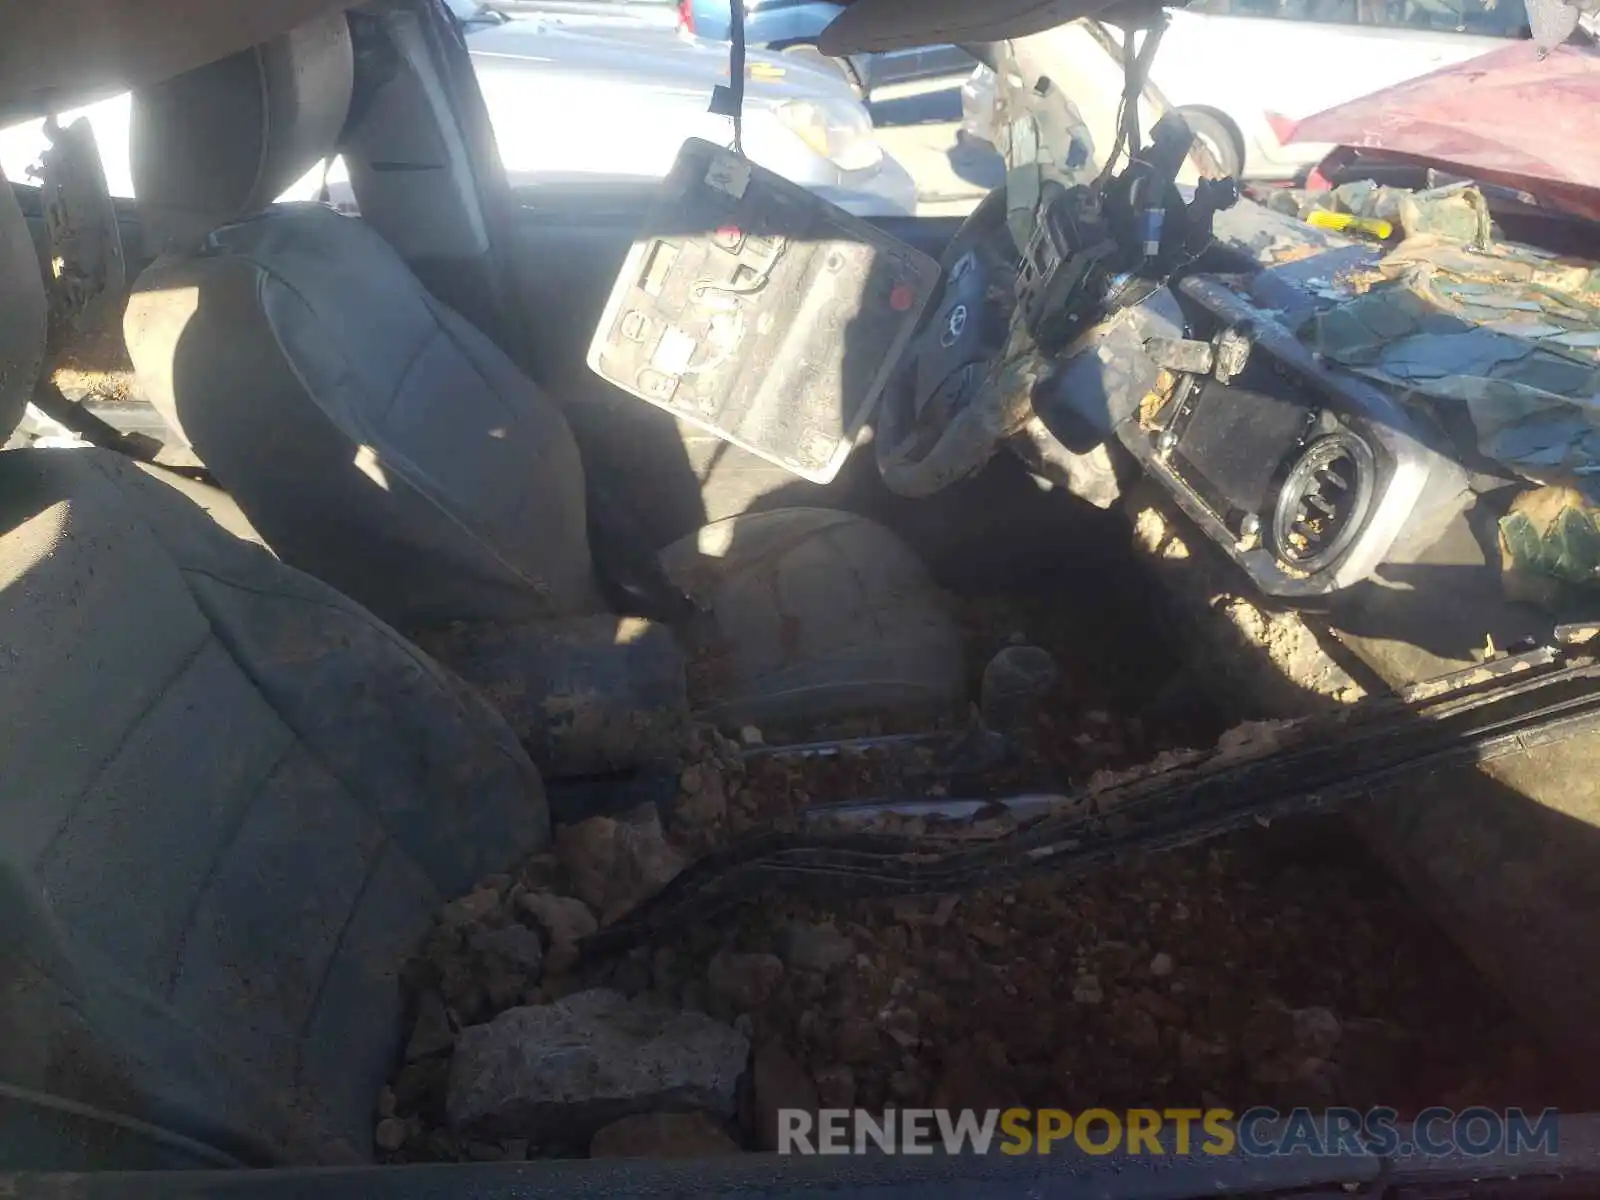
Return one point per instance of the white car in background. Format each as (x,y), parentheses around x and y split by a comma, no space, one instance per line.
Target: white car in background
(1245,71)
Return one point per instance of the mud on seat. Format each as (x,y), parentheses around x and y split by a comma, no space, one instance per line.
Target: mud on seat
(810,614)
(233,800)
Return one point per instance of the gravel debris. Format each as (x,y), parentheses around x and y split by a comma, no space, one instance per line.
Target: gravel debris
(432,1033)
(663,1135)
(391,1134)
(615,863)
(745,981)
(1280,965)
(564,920)
(778,1082)
(818,947)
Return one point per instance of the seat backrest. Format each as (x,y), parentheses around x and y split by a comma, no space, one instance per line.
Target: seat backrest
(375,438)
(232,800)
(22,312)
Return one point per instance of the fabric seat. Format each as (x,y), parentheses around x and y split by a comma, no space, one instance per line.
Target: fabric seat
(810,615)
(380,442)
(233,801)
(372,436)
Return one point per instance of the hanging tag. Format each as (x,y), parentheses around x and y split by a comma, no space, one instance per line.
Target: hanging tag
(729,173)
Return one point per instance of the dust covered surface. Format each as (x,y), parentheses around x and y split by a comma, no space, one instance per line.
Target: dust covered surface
(1276,966)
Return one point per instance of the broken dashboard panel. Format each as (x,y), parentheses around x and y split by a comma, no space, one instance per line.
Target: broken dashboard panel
(760,312)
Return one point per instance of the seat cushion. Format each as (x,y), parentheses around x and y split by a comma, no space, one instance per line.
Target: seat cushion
(374,438)
(232,801)
(811,615)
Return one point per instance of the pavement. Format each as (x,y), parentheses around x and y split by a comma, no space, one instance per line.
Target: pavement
(918,125)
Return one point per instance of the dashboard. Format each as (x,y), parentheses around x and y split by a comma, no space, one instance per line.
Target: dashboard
(1308,476)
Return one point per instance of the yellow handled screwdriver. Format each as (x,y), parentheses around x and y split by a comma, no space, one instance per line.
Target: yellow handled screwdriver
(1342,222)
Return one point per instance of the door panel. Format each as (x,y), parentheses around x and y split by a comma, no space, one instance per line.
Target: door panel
(667,477)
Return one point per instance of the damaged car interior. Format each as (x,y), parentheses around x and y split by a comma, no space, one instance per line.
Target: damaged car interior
(593,656)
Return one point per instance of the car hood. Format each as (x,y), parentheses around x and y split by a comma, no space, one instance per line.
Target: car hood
(1508,117)
(651,59)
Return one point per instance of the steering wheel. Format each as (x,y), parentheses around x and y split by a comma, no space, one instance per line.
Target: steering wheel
(947,407)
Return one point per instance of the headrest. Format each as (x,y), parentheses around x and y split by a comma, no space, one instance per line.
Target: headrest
(22,312)
(226,139)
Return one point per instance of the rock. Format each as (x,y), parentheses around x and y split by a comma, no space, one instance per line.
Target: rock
(695,995)
(820,947)
(663,1135)
(1161,965)
(745,981)
(906,1086)
(1200,1054)
(1087,990)
(565,920)
(503,985)
(836,1086)
(420,1085)
(1141,1031)
(386,1101)
(432,1033)
(751,736)
(703,798)
(473,907)
(1272,1071)
(908,910)
(992,936)
(857,1041)
(976,1075)
(631,975)
(1268,1031)
(950,967)
(904,1027)
(615,863)
(1163,1008)
(517,945)
(1317,1031)
(566,1069)
(780,1083)
(390,1134)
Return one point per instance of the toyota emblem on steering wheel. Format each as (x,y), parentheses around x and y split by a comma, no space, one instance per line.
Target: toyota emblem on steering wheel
(955,325)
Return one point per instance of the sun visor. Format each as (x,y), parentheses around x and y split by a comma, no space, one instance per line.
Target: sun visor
(56,55)
(878,25)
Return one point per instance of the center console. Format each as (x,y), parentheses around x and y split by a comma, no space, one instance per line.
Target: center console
(1308,477)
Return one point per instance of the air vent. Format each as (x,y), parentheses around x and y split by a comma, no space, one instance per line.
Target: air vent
(1323,502)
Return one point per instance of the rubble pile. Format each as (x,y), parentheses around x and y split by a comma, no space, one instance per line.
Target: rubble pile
(1280,966)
